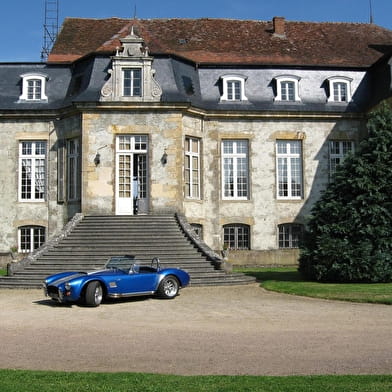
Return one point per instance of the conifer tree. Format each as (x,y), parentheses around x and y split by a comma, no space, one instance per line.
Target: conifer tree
(349,235)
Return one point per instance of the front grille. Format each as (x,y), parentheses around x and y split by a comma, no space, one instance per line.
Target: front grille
(53,292)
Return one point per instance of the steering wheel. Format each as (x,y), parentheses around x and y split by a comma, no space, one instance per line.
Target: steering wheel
(155,263)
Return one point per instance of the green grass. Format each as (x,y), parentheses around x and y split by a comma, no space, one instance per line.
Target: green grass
(289,281)
(3,272)
(32,381)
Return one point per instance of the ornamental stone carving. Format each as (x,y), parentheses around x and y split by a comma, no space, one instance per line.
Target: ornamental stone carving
(133,54)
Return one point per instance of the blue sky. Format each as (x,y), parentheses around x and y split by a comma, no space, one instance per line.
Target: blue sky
(21,27)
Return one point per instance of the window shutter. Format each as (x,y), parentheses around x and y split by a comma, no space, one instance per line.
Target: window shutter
(60,171)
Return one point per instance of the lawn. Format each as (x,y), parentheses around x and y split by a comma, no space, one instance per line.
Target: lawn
(289,281)
(32,381)
(3,272)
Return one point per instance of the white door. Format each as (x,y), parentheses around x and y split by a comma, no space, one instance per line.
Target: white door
(131,174)
(124,191)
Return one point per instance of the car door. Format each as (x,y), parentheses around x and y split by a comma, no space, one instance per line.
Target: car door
(135,282)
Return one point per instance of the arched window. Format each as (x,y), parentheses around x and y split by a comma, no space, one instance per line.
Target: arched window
(289,235)
(236,236)
(233,88)
(287,88)
(339,89)
(33,87)
(30,238)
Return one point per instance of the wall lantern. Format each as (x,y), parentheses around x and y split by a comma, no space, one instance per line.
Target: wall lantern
(164,158)
(97,159)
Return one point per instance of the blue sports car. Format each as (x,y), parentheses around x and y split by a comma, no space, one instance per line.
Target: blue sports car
(122,277)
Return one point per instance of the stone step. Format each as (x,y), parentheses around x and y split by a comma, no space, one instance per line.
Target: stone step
(92,240)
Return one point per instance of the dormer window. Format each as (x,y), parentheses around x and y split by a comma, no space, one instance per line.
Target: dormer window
(339,89)
(287,89)
(33,87)
(233,88)
(132,82)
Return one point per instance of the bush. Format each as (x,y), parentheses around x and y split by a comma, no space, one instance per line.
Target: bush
(348,236)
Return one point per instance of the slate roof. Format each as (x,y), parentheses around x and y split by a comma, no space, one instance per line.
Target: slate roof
(232,42)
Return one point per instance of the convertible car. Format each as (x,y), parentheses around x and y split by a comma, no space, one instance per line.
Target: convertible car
(122,277)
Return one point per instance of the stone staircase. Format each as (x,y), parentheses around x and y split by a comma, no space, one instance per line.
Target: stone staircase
(86,245)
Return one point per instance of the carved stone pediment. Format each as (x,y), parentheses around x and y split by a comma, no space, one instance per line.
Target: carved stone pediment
(133,55)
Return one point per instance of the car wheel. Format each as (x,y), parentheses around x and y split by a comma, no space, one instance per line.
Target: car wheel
(169,287)
(94,294)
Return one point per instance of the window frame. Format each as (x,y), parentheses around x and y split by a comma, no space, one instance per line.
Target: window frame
(32,77)
(132,79)
(236,158)
(293,232)
(73,170)
(336,159)
(280,81)
(190,155)
(339,80)
(36,232)
(230,96)
(35,166)
(288,158)
(237,230)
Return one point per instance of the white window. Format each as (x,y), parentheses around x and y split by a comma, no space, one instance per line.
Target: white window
(73,170)
(287,89)
(32,170)
(30,238)
(235,169)
(233,88)
(33,87)
(289,169)
(192,168)
(337,152)
(132,82)
(339,89)
(236,237)
(289,235)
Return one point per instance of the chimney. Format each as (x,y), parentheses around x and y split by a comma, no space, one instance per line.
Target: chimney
(279,26)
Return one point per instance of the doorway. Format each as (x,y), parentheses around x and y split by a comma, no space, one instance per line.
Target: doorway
(132,175)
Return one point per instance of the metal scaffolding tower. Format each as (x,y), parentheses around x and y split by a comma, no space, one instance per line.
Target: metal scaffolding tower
(51,27)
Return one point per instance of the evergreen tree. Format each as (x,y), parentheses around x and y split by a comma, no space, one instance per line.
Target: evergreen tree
(349,235)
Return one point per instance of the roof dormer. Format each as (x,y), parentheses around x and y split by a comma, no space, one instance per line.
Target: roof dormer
(132,76)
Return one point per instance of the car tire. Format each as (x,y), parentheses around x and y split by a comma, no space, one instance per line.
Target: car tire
(169,287)
(94,294)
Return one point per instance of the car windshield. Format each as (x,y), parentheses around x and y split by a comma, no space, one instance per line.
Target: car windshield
(123,263)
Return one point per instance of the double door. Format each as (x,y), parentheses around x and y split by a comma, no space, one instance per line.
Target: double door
(132,175)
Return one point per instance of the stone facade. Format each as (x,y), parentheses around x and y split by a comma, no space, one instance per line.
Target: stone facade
(118,143)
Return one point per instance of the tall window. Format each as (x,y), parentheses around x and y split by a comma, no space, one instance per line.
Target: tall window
(34,88)
(287,89)
(132,82)
(73,172)
(192,168)
(289,169)
(290,235)
(236,236)
(30,238)
(337,152)
(235,169)
(32,170)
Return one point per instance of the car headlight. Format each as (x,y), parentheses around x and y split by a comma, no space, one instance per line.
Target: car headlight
(67,286)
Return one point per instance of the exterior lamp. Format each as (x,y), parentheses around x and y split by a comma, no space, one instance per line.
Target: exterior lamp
(97,159)
(164,158)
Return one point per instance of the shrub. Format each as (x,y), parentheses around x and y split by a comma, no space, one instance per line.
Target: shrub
(349,234)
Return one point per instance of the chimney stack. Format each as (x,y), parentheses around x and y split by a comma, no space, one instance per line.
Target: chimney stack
(279,26)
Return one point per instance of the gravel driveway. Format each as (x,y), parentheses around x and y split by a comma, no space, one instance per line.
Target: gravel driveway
(217,330)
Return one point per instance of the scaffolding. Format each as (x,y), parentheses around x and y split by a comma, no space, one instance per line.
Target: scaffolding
(51,27)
